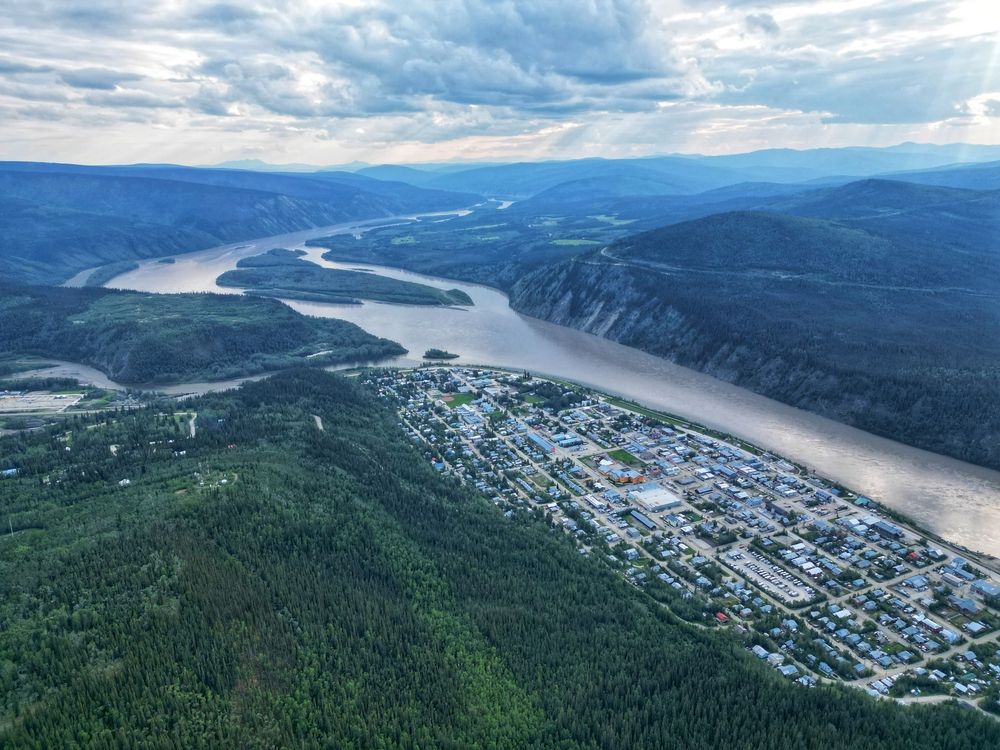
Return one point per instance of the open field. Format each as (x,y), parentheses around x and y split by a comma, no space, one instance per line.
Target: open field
(38,403)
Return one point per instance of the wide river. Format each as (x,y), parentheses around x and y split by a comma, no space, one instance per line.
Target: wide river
(959,501)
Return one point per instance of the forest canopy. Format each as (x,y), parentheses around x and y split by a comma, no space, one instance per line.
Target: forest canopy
(270,583)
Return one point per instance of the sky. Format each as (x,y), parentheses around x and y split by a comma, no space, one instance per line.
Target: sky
(305,81)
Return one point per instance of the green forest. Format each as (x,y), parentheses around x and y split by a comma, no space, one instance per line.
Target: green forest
(151,338)
(270,583)
(282,273)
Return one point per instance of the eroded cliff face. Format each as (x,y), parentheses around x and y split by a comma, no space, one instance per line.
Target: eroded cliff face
(610,301)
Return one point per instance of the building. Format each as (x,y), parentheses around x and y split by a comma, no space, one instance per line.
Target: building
(544,445)
(653,498)
(888,529)
(621,475)
(986,589)
(643,519)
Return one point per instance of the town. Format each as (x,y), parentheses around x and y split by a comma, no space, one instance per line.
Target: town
(819,583)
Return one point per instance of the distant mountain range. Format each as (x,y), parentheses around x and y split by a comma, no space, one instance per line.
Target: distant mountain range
(57,219)
(686,174)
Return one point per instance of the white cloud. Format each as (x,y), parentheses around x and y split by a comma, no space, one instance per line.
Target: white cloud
(326,82)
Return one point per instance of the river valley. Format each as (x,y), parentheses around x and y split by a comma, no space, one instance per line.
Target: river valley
(959,501)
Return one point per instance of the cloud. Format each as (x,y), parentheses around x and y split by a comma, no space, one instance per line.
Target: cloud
(131,99)
(12,66)
(96,78)
(912,85)
(763,22)
(227,15)
(362,75)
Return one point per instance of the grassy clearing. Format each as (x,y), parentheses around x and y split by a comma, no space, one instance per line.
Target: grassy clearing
(611,219)
(624,457)
(566,242)
(454,400)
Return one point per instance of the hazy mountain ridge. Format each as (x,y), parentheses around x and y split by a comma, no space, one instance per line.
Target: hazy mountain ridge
(686,174)
(56,222)
(983,176)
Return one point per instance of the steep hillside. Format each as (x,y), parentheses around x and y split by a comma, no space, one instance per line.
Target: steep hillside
(271,584)
(899,339)
(955,232)
(984,176)
(58,219)
(152,338)
(875,198)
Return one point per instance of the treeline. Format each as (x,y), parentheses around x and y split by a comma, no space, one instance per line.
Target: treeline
(100,276)
(39,384)
(278,585)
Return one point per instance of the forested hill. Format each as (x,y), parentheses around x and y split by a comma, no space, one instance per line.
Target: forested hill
(152,338)
(272,584)
(56,220)
(876,324)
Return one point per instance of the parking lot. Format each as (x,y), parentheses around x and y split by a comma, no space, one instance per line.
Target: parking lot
(766,574)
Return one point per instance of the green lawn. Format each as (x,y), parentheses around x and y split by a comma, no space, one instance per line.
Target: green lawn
(624,456)
(458,399)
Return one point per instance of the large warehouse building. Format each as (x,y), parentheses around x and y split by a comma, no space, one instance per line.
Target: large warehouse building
(653,498)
